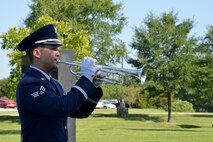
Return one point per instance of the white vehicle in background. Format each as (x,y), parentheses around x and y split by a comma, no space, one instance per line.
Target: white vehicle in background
(100,104)
(105,104)
(108,104)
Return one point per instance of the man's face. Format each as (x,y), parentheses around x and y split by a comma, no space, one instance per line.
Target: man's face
(47,59)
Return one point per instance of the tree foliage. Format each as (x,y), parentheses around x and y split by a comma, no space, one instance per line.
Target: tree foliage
(182,106)
(202,95)
(111,91)
(87,26)
(101,19)
(131,94)
(3,91)
(78,41)
(164,44)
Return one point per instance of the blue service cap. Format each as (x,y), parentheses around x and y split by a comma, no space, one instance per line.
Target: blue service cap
(44,35)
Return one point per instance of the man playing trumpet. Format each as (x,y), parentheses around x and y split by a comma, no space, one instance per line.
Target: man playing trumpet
(43,105)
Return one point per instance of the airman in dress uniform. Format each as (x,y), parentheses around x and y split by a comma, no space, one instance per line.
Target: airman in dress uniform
(43,105)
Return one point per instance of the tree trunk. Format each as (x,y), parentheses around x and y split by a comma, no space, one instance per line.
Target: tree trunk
(169,95)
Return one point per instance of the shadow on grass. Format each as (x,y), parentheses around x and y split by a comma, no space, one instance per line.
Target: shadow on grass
(165,130)
(188,126)
(202,115)
(133,117)
(9,132)
(11,119)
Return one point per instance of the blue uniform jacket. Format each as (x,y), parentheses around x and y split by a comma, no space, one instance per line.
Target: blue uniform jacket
(43,110)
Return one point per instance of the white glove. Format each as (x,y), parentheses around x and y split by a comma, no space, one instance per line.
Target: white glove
(98,80)
(89,68)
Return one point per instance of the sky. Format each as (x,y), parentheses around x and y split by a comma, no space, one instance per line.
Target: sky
(13,12)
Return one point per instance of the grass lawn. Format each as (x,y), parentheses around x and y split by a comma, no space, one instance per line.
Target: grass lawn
(9,127)
(139,126)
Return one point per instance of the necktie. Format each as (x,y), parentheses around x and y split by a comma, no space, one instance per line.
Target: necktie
(53,84)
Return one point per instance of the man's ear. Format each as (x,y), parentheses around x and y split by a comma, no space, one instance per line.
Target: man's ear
(36,52)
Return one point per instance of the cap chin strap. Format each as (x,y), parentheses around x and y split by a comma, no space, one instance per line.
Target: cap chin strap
(46,40)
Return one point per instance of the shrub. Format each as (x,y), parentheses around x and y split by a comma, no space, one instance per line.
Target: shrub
(182,106)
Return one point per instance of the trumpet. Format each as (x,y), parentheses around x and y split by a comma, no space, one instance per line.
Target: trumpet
(120,72)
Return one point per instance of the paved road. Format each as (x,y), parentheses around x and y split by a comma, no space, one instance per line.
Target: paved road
(8,111)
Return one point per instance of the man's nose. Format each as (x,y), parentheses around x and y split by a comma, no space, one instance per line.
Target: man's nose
(57,53)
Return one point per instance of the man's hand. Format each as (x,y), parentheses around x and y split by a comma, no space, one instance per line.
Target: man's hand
(89,68)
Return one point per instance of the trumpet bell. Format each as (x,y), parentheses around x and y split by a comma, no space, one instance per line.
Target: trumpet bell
(138,73)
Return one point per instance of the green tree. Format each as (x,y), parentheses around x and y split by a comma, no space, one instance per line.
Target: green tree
(130,94)
(202,95)
(111,91)
(2,87)
(9,41)
(78,41)
(165,45)
(102,20)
